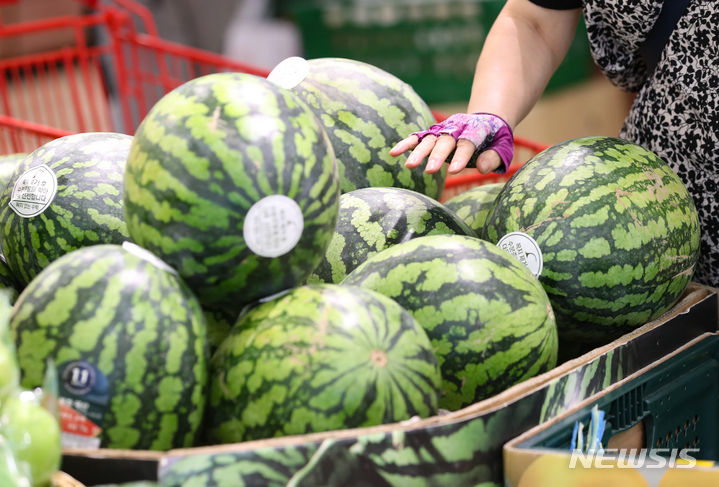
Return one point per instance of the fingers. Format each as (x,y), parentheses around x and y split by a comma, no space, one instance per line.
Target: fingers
(404,145)
(438,149)
(421,151)
(443,147)
(464,152)
(488,161)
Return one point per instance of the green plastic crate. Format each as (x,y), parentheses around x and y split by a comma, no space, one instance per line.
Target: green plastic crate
(677,401)
(432,45)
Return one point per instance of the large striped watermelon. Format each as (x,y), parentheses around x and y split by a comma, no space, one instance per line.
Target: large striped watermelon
(129,342)
(232,181)
(372,219)
(65,195)
(320,357)
(473,206)
(365,111)
(617,230)
(488,318)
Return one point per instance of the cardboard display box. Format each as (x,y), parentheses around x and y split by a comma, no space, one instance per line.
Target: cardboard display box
(662,430)
(460,448)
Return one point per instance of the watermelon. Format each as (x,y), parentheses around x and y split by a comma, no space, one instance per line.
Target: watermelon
(9,368)
(219,323)
(8,163)
(473,205)
(7,280)
(129,342)
(372,219)
(616,228)
(65,195)
(320,357)
(232,181)
(365,111)
(488,318)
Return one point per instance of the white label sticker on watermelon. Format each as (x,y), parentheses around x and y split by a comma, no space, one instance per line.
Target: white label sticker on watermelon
(33,191)
(273,226)
(525,249)
(289,72)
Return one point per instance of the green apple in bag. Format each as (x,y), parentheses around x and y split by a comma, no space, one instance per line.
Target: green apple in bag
(33,433)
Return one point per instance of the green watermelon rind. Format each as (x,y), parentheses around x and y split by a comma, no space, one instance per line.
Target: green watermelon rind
(365,111)
(318,358)
(202,157)
(138,323)
(488,318)
(86,209)
(618,231)
(373,219)
(473,206)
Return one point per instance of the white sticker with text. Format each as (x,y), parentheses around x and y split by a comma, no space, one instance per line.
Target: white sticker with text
(33,191)
(273,226)
(525,249)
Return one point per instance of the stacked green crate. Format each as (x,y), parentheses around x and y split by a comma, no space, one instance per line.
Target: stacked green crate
(432,45)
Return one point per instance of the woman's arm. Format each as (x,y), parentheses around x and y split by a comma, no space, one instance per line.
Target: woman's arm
(521,52)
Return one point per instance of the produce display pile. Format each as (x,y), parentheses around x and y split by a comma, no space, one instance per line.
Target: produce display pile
(252,263)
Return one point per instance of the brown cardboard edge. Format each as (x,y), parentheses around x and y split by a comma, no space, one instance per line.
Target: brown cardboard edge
(61,479)
(517,460)
(110,453)
(695,293)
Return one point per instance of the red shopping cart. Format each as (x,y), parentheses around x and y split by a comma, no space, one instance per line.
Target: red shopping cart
(110,71)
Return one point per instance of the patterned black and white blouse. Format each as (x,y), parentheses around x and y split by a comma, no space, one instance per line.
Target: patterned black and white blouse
(676,110)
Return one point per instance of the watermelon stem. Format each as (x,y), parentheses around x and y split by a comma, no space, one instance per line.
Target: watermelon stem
(379,358)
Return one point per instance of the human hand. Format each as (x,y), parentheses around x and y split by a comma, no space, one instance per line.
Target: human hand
(480,140)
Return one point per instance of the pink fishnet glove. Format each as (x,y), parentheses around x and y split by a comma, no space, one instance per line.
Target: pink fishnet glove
(485,130)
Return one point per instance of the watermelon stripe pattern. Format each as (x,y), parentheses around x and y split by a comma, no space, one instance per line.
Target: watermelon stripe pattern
(139,325)
(7,280)
(594,377)
(373,219)
(330,462)
(208,151)
(264,466)
(365,110)
(460,453)
(219,324)
(618,231)
(473,206)
(465,451)
(86,210)
(489,320)
(321,357)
